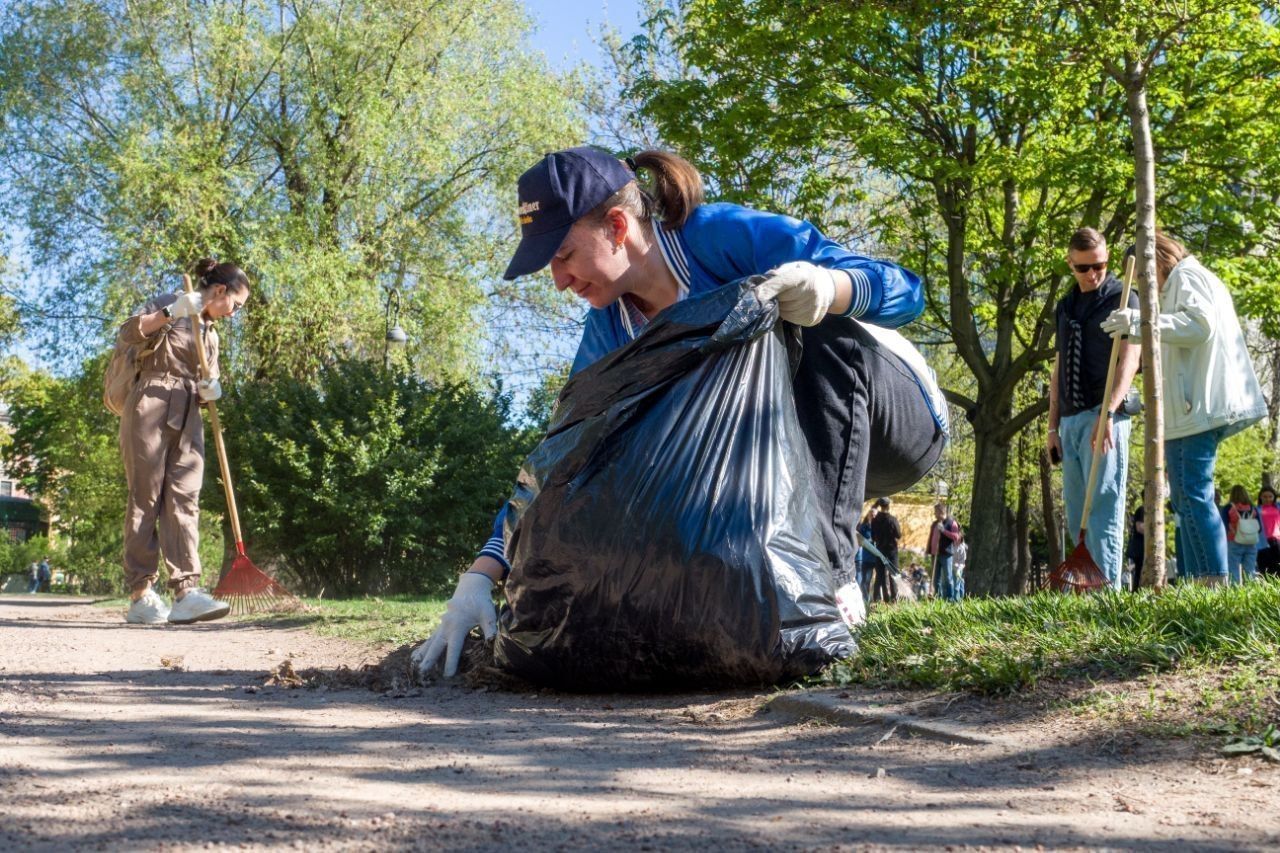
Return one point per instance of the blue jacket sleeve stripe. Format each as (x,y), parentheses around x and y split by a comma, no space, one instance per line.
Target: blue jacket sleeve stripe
(496,547)
(860,298)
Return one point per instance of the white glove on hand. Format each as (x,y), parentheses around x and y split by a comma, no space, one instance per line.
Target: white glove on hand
(471,606)
(210,390)
(188,305)
(804,291)
(1123,322)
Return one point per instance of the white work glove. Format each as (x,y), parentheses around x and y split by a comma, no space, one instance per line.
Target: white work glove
(210,390)
(188,305)
(1123,322)
(804,291)
(471,606)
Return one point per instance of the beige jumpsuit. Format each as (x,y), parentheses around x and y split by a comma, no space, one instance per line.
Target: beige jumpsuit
(162,444)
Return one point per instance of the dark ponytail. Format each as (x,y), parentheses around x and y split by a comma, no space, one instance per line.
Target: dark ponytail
(677,186)
(677,190)
(207,272)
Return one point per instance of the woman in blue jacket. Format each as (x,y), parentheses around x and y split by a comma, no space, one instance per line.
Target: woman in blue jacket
(629,253)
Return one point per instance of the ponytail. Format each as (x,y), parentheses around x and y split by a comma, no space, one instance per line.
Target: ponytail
(677,186)
(676,191)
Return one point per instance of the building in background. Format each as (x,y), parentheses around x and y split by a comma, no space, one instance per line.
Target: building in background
(20,518)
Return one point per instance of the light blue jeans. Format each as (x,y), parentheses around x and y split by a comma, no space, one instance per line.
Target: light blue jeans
(1242,562)
(1189,462)
(944,578)
(1105,535)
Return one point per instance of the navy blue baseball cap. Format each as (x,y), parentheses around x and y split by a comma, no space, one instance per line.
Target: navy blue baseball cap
(556,193)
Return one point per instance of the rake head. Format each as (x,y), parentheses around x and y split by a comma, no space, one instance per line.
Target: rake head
(1078,573)
(248,589)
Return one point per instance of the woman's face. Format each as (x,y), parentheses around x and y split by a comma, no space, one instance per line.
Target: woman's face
(220,302)
(1267,497)
(593,260)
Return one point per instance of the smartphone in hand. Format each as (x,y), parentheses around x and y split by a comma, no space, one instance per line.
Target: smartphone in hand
(1055,456)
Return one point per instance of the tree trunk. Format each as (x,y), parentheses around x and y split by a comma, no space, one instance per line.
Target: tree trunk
(1052,522)
(988,570)
(1022,527)
(1273,420)
(1153,570)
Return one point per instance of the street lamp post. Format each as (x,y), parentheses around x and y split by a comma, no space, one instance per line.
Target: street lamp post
(395,336)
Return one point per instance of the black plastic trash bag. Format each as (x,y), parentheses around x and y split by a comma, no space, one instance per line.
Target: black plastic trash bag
(664,533)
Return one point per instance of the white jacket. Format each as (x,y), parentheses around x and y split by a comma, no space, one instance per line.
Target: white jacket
(1209,379)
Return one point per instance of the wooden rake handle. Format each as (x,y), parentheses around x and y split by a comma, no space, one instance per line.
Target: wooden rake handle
(198,327)
(1100,429)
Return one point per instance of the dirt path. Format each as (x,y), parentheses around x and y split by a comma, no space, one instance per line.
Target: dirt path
(104,748)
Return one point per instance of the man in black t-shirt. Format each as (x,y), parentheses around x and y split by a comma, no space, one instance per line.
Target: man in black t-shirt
(885,533)
(1076,404)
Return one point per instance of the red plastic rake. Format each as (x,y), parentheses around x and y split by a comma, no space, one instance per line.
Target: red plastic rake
(245,587)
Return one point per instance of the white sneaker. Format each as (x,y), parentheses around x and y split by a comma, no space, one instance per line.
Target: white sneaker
(197,606)
(149,609)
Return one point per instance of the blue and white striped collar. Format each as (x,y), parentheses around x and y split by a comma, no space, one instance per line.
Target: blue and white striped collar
(673,254)
(633,319)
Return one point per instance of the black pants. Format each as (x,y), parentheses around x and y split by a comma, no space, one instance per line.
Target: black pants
(885,588)
(1269,558)
(867,424)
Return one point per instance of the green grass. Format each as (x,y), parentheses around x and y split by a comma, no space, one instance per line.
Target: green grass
(1009,644)
(393,620)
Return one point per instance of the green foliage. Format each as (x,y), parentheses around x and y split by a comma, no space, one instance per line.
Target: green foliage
(64,449)
(17,557)
(368,481)
(333,149)
(1266,744)
(1241,459)
(1007,644)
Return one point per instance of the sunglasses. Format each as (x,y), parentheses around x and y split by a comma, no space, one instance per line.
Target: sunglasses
(1087,267)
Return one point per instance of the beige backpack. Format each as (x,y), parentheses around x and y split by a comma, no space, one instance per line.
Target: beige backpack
(123,370)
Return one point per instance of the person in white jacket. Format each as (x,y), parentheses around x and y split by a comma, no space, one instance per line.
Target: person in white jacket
(1209,391)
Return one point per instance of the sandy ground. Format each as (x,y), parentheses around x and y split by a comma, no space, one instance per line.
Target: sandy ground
(129,737)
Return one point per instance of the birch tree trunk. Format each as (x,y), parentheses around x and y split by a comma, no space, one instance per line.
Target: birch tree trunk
(1135,82)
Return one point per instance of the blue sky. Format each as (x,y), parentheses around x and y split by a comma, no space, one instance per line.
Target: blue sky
(566,29)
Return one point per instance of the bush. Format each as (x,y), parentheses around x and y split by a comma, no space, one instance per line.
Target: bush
(16,557)
(367,481)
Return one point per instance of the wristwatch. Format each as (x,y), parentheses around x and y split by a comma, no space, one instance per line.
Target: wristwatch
(167,311)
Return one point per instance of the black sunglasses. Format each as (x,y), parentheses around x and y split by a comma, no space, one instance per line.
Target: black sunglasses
(1087,267)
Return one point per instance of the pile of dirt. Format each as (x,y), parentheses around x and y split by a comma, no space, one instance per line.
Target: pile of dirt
(396,675)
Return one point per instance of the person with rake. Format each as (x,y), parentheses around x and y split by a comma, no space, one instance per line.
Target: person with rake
(162,443)
(1079,381)
(629,252)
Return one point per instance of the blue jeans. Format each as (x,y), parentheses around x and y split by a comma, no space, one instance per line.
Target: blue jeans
(1105,535)
(1242,562)
(945,578)
(1189,462)
(864,574)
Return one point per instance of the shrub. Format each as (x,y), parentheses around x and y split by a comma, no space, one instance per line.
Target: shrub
(368,481)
